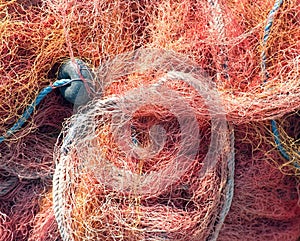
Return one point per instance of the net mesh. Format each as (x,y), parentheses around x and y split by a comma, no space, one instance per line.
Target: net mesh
(225,39)
(265,205)
(36,37)
(139,151)
(151,156)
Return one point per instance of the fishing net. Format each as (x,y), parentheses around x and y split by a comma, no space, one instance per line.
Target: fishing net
(226,38)
(43,225)
(265,205)
(151,156)
(36,37)
(18,205)
(160,167)
(287,141)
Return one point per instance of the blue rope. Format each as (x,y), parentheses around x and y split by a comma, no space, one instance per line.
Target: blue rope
(29,110)
(279,145)
(278,141)
(267,31)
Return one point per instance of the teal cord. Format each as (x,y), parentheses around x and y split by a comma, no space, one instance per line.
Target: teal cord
(29,110)
(267,31)
(278,141)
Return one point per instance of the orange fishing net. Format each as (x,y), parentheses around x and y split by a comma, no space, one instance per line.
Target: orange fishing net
(176,142)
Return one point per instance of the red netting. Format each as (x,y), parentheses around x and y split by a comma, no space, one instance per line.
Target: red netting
(130,166)
(140,153)
(266,202)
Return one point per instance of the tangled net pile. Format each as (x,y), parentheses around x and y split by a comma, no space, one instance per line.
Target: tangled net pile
(140,153)
(177,141)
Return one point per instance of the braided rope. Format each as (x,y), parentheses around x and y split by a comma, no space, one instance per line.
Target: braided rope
(267,31)
(58,202)
(278,141)
(229,189)
(217,23)
(219,26)
(30,109)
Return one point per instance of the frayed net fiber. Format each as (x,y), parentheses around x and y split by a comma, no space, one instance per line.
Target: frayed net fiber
(153,155)
(145,164)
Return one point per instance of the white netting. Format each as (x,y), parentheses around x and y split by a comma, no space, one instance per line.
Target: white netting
(152,163)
